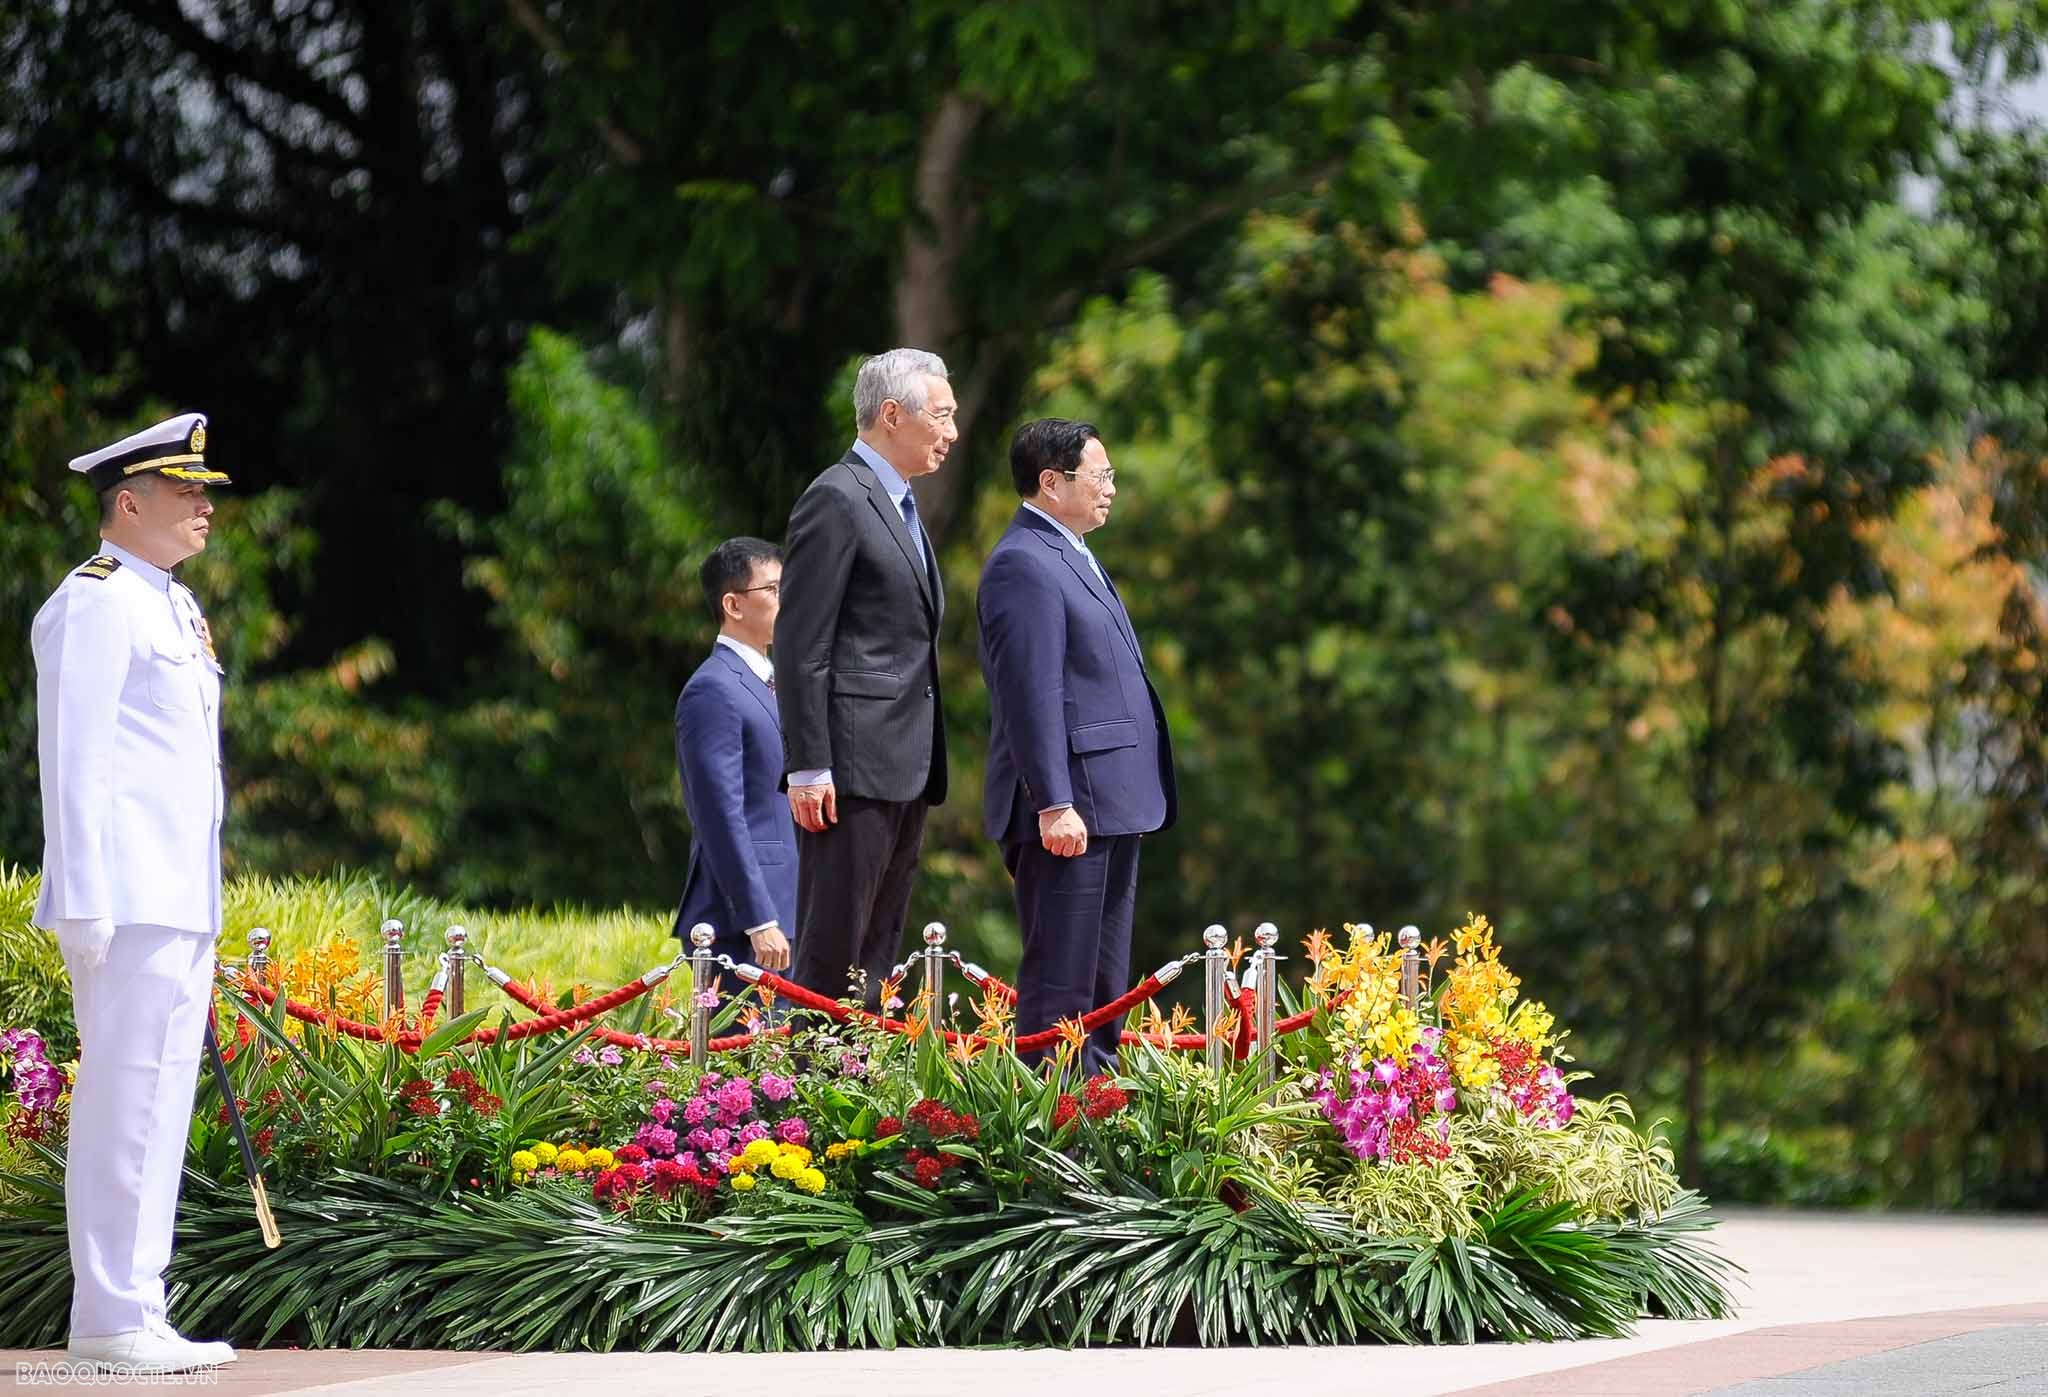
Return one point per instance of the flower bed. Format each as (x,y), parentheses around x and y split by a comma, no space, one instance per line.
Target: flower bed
(1415,1174)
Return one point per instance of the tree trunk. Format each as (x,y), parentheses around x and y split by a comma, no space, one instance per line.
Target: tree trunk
(1708,871)
(927,298)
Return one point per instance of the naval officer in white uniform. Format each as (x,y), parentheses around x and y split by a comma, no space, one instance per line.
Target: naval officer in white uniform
(128,731)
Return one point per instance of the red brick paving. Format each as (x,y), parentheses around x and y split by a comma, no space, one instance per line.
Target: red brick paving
(1758,1353)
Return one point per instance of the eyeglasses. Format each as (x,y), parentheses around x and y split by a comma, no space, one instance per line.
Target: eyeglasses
(773,588)
(1106,476)
(944,417)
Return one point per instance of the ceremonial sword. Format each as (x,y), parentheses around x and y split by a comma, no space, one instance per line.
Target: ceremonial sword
(264,1219)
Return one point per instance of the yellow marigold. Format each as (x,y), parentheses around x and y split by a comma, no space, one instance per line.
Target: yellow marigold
(742,1182)
(841,1149)
(785,1167)
(796,1152)
(544,1153)
(570,1161)
(598,1158)
(525,1161)
(519,1178)
(759,1153)
(810,1181)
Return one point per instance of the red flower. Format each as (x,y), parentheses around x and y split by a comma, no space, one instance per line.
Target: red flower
(486,1103)
(273,1098)
(630,1154)
(668,1176)
(887,1126)
(1065,1110)
(424,1106)
(951,1161)
(461,1080)
(1101,1096)
(929,1171)
(264,1139)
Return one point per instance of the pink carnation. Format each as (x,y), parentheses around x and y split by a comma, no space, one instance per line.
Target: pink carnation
(655,1139)
(793,1131)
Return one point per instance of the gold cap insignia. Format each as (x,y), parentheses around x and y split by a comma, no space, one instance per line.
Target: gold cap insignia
(198,438)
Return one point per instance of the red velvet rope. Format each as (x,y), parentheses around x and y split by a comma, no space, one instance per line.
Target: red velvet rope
(409,1039)
(532,1000)
(1247,1009)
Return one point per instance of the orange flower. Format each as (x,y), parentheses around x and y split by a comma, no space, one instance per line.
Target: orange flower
(1237,950)
(994,1015)
(963,1048)
(1316,946)
(1072,1035)
(1182,1020)
(1225,1027)
(1435,950)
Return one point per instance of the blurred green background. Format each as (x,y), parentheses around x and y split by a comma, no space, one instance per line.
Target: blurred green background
(1584,462)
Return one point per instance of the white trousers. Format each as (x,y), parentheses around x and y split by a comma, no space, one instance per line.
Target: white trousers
(141,1032)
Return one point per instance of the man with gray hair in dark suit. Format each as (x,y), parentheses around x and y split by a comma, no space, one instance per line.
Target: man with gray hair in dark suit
(857,666)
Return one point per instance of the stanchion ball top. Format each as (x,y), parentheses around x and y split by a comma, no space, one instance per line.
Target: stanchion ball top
(934,933)
(1409,938)
(701,936)
(1214,936)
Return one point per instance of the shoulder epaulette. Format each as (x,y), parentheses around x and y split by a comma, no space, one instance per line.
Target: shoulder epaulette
(99,569)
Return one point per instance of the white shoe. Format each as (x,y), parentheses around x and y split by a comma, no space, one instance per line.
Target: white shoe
(155,1349)
(211,1352)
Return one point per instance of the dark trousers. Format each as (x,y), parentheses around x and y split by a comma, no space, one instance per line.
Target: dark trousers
(853,887)
(1076,916)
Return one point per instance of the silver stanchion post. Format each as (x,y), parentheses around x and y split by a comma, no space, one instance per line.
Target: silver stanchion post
(1265,971)
(1215,964)
(1411,965)
(935,974)
(701,937)
(456,961)
(259,956)
(394,967)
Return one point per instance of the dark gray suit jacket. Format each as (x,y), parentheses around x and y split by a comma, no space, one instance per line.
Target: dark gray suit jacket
(856,643)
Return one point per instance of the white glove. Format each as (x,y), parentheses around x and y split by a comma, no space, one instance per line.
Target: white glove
(84,941)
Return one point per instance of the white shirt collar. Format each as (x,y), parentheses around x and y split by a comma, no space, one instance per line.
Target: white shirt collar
(1066,533)
(894,483)
(149,572)
(756,661)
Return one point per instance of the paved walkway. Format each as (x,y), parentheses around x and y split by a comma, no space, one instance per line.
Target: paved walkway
(1834,1305)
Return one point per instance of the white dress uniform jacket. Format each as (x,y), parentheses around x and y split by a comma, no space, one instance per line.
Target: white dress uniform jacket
(128,722)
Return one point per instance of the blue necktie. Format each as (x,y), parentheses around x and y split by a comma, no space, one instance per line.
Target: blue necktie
(924,550)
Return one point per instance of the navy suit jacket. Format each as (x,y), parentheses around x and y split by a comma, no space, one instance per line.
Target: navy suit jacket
(743,845)
(1073,717)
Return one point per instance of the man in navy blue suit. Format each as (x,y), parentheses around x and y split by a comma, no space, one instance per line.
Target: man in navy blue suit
(1079,764)
(742,877)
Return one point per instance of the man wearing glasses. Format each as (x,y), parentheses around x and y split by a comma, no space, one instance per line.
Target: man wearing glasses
(1079,764)
(742,876)
(856,643)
